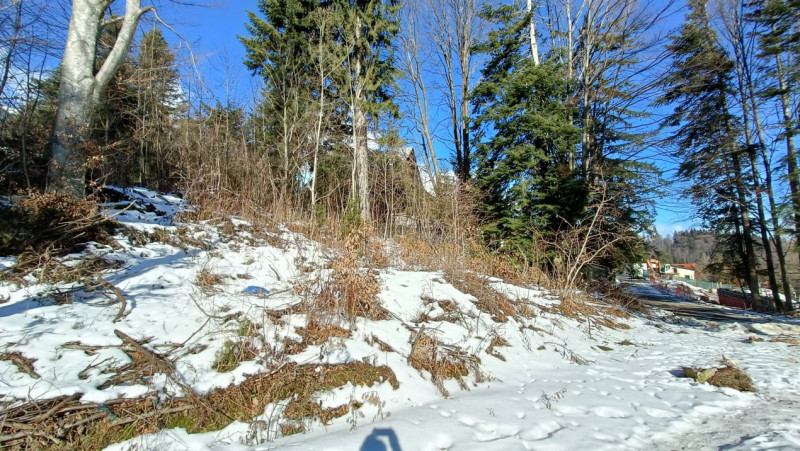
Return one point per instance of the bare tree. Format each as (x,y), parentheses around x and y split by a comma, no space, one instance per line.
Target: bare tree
(414,59)
(326,61)
(453,30)
(81,88)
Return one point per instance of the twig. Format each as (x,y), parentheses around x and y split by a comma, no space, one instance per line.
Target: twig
(55,408)
(120,297)
(78,346)
(88,419)
(18,435)
(195,333)
(166,367)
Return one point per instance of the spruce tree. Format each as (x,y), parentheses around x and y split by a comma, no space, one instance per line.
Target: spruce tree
(699,85)
(524,138)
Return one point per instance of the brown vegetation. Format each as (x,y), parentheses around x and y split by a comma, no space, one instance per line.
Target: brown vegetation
(443,361)
(729,376)
(67,424)
(347,291)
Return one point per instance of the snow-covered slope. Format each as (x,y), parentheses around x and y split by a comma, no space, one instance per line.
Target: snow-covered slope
(542,381)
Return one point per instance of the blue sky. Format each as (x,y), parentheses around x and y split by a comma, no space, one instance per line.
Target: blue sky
(211,32)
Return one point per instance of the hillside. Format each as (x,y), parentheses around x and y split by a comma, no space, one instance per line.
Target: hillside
(225,334)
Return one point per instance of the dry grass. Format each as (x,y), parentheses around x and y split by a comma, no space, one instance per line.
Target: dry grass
(24,364)
(348,291)
(443,362)
(617,296)
(787,340)
(209,281)
(49,269)
(233,353)
(246,344)
(487,300)
(181,237)
(66,424)
(496,342)
(729,376)
(583,308)
(314,334)
(382,345)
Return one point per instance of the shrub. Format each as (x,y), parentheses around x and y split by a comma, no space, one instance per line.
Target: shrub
(51,222)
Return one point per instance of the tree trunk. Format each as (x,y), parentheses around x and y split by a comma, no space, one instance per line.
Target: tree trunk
(762,218)
(413,64)
(534,44)
(318,129)
(733,13)
(747,230)
(80,89)
(791,153)
(10,55)
(464,56)
(360,136)
(362,163)
(452,22)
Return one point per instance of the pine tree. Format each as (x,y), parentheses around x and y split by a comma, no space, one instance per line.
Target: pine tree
(699,85)
(524,138)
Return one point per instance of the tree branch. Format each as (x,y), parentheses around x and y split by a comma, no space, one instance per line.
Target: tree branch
(133,12)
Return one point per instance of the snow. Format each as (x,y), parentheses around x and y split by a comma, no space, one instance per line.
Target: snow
(564,383)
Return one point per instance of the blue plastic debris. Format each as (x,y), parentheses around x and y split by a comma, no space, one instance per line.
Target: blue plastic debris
(255,290)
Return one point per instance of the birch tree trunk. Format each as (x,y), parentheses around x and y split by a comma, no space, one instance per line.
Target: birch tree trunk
(81,89)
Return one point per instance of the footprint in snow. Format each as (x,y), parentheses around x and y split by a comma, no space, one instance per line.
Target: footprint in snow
(660,413)
(541,431)
(609,412)
(487,432)
(569,410)
(468,421)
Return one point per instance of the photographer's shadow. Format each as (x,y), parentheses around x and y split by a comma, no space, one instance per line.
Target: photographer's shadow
(381,440)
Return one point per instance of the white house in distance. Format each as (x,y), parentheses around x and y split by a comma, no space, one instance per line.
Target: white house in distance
(685,271)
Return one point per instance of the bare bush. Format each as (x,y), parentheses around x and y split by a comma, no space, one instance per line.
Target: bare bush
(586,243)
(443,361)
